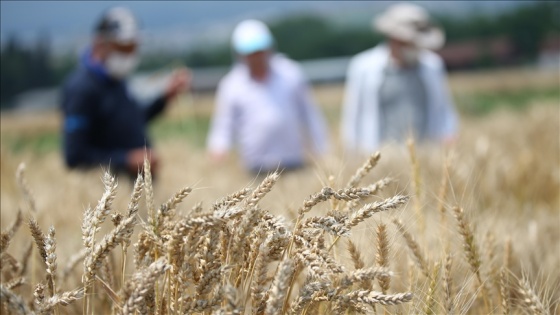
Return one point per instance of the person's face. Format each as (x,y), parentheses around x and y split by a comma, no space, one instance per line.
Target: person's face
(405,52)
(257,61)
(399,45)
(119,59)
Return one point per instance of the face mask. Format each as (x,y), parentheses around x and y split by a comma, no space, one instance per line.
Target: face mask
(120,65)
(410,55)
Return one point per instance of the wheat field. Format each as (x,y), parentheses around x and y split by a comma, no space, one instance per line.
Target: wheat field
(414,229)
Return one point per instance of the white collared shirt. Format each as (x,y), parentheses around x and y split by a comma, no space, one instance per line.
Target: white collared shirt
(272,122)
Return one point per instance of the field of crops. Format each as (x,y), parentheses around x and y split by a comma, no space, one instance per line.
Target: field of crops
(470,229)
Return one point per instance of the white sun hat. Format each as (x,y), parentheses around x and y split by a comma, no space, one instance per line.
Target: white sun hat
(411,23)
(251,36)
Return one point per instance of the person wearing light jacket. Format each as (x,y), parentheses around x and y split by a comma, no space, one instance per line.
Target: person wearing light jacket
(399,88)
(264,107)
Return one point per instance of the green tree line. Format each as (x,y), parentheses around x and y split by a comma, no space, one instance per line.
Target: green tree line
(24,68)
(301,37)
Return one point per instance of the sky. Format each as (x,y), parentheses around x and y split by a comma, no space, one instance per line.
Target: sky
(57,16)
(70,22)
(179,23)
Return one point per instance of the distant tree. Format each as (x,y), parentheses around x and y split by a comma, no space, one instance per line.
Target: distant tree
(12,75)
(62,66)
(352,41)
(301,37)
(24,67)
(309,36)
(40,68)
(526,26)
(219,55)
(529,25)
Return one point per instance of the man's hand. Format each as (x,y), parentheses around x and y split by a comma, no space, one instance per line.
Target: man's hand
(449,141)
(135,160)
(218,157)
(180,81)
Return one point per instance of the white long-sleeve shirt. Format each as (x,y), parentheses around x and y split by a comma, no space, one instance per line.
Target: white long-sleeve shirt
(272,122)
(361,110)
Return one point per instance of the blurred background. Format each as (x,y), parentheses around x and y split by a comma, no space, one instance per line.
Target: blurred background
(500,54)
(40,40)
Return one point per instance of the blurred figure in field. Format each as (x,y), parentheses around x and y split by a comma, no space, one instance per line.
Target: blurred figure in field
(399,88)
(264,105)
(103,124)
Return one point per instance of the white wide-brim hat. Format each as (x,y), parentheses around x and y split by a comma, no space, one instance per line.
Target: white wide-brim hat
(410,23)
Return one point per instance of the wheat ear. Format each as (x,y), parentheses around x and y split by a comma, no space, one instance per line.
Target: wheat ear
(14,301)
(264,188)
(38,237)
(431,296)
(448,285)
(279,288)
(24,187)
(504,291)
(414,247)
(7,235)
(50,260)
(140,285)
(382,257)
(530,300)
(364,170)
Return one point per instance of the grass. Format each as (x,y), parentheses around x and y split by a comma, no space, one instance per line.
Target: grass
(191,129)
(38,144)
(483,103)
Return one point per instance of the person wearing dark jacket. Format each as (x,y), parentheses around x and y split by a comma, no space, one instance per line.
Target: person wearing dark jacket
(103,124)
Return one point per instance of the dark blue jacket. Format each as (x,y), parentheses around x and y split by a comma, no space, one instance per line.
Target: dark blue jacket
(101,121)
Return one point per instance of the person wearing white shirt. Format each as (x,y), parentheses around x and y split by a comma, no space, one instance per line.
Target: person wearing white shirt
(264,107)
(399,88)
